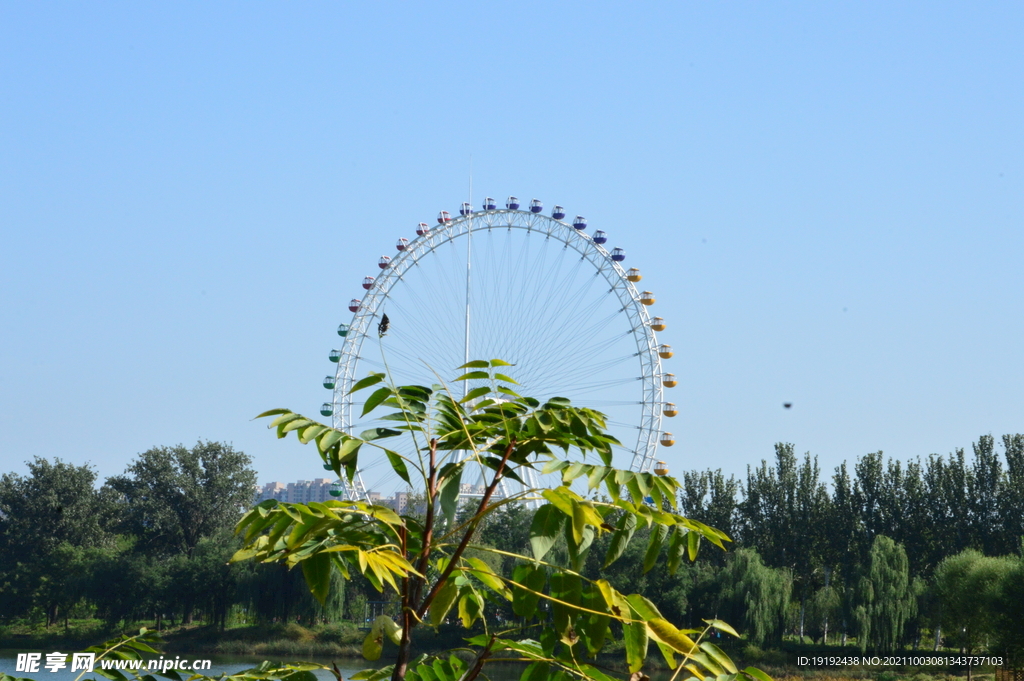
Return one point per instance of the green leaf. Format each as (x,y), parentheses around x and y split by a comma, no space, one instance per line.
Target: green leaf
(569,589)
(473,375)
(390,629)
(507,379)
(756,674)
(676,547)
(475,364)
(475,393)
(471,607)
(500,363)
(312,432)
(485,574)
(594,627)
(348,450)
(573,471)
(398,465)
(443,602)
(373,644)
(274,412)
(657,537)
(296,424)
(620,538)
(692,544)
(553,466)
(722,626)
(524,603)
(719,656)
(562,498)
(317,571)
(593,672)
(634,635)
(595,476)
(373,674)
(579,521)
(450,492)
(671,636)
(537,671)
(378,434)
(375,398)
(328,439)
(372,379)
(544,530)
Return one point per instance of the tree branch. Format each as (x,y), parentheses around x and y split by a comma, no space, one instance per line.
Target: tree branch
(469,531)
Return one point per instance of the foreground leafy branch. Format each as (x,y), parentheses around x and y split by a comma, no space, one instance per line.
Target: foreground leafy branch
(425,562)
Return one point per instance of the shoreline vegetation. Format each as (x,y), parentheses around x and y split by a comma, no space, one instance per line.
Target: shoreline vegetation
(927,557)
(344,641)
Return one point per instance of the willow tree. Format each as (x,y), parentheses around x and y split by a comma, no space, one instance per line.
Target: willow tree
(433,563)
(762,593)
(894,602)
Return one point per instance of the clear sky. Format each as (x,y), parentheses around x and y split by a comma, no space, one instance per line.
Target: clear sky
(827,199)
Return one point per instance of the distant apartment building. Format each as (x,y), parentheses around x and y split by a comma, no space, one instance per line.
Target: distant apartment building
(298,492)
(305,491)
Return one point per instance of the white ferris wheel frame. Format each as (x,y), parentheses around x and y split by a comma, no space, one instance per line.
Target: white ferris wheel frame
(364,319)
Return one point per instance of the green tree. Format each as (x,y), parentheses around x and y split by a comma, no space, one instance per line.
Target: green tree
(428,562)
(969,585)
(761,593)
(710,497)
(983,486)
(48,518)
(893,600)
(784,516)
(1011,497)
(172,497)
(1009,613)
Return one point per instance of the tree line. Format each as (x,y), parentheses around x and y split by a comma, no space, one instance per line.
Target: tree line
(886,553)
(150,543)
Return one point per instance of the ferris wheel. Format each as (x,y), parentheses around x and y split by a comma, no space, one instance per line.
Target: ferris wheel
(535,290)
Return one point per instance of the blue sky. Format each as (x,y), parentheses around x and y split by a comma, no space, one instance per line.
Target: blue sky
(826,197)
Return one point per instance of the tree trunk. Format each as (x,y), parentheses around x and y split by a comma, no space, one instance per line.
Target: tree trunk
(404,648)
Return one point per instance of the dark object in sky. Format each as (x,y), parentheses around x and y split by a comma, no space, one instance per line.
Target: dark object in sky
(787,405)
(382,328)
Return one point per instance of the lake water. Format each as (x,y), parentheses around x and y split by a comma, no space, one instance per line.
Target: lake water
(223,664)
(220,664)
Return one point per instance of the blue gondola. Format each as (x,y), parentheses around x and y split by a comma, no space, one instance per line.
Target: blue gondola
(536,206)
(489,204)
(558,213)
(580,222)
(512,203)
(465,209)
(618,255)
(600,237)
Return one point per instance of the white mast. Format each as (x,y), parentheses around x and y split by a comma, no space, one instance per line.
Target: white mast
(469,258)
